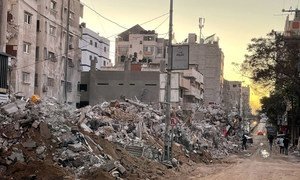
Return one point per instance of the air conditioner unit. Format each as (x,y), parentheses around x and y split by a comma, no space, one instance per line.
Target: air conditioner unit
(45,88)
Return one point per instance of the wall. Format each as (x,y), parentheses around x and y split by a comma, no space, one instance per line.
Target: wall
(109,85)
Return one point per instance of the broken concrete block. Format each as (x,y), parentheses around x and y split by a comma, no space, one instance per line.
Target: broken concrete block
(10,108)
(35,124)
(119,167)
(40,150)
(16,156)
(29,144)
(75,147)
(44,130)
(21,104)
(110,165)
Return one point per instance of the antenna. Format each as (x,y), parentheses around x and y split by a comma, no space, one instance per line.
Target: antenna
(201,26)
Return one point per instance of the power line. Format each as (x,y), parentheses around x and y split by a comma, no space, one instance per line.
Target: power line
(103,16)
(162,23)
(143,23)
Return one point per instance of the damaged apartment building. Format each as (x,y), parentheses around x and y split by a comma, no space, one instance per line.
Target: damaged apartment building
(36,38)
(140,73)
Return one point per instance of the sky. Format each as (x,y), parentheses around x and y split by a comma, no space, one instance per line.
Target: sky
(235,22)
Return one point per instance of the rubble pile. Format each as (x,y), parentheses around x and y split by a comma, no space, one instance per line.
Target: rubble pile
(120,138)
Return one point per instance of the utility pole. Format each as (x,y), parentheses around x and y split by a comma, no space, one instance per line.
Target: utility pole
(67,53)
(168,139)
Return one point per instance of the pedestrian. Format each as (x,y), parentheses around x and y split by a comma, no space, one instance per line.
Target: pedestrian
(270,138)
(244,144)
(281,145)
(286,143)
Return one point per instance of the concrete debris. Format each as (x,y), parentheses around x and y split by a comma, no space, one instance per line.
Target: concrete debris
(69,137)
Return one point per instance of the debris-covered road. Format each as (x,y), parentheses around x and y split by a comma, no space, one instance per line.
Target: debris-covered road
(252,164)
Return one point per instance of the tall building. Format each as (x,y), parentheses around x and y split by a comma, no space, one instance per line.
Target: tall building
(232,96)
(140,45)
(210,60)
(246,109)
(93,47)
(36,35)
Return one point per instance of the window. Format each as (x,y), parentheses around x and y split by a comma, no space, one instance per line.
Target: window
(26,47)
(234,85)
(83,87)
(141,42)
(91,57)
(95,59)
(37,53)
(149,38)
(104,49)
(52,5)
(130,46)
(25,77)
(69,86)
(91,42)
(96,44)
(104,63)
(38,26)
(70,62)
(71,15)
(50,82)
(36,80)
(52,30)
(27,17)
(45,53)
(51,56)
(46,26)
(102,84)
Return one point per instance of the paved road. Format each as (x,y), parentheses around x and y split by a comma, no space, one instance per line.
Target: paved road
(257,163)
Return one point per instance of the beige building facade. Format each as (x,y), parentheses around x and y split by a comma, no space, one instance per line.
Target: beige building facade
(36,37)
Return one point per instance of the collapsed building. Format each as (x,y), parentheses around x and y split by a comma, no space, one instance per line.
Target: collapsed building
(115,138)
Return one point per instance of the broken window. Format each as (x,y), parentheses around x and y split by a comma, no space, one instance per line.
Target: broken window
(25,77)
(52,5)
(26,47)
(50,82)
(69,86)
(83,87)
(27,17)
(52,30)
(36,80)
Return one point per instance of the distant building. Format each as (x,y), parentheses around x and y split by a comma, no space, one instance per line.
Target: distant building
(210,60)
(140,45)
(232,93)
(93,47)
(36,37)
(246,109)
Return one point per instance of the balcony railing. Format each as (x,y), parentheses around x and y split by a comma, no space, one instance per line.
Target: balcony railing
(184,83)
(193,92)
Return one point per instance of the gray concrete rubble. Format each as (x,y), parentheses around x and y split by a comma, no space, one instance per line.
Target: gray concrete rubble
(67,134)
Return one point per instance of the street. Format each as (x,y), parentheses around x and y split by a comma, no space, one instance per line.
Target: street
(255,163)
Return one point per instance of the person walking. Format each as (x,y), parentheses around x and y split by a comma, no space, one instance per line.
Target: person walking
(270,138)
(286,143)
(244,142)
(281,145)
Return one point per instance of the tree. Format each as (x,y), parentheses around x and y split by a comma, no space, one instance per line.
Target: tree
(272,62)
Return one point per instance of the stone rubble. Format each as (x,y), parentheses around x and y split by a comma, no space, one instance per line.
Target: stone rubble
(65,134)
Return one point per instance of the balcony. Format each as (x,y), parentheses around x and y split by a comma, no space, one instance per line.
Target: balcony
(192,73)
(184,83)
(193,92)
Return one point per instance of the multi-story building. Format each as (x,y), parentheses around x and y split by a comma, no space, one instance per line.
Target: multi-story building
(210,60)
(37,36)
(140,45)
(232,93)
(93,47)
(246,109)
